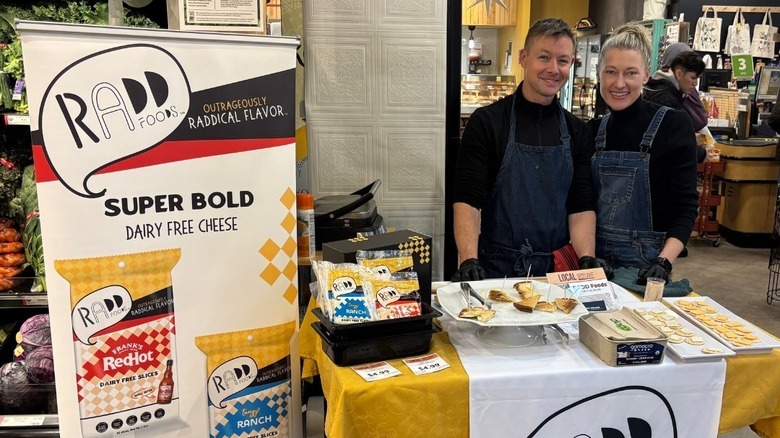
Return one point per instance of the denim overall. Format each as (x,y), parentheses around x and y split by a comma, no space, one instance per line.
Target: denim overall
(525,218)
(624,224)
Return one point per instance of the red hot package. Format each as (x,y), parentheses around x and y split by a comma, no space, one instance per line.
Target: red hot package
(395,297)
(123,337)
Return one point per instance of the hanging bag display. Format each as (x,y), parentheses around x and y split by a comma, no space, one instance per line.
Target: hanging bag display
(738,36)
(707,35)
(763,46)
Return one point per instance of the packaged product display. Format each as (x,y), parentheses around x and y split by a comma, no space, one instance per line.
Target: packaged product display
(394,296)
(406,240)
(124,339)
(385,262)
(249,381)
(343,297)
(622,337)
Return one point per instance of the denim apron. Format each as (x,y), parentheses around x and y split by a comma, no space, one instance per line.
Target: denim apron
(624,214)
(525,218)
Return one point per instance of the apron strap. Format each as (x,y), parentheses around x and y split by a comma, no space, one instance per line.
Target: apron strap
(649,135)
(562,126)
(601,137)
(512,117)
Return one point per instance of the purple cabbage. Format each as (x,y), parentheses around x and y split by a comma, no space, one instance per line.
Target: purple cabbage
(35,332)
(17,394)
(39,364)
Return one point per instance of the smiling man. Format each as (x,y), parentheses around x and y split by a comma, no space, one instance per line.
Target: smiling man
(522,183)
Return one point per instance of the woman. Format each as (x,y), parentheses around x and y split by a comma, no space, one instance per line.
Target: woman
(644,165)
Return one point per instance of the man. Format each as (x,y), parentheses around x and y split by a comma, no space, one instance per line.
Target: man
(674,85)
(522,183)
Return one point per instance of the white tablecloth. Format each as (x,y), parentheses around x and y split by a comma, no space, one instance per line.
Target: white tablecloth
(562,391)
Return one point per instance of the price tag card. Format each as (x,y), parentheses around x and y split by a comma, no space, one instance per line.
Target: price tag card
(21,420)
(376,371)
(430,363)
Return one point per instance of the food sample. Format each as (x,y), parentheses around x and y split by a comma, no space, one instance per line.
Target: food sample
(546,306)
(249,381)
(527,305)
(524,288)
(733,332)
(124,337)
(499,295)
(566,304)
(480,313)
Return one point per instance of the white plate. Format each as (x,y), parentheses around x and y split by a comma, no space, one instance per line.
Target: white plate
(452,301)
(684,350)
(765,342)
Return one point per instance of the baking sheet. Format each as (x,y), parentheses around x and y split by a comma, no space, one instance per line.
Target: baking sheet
(764,344)
(684,350)
(452,301)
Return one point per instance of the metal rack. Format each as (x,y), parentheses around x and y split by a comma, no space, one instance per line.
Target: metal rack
(773,288)
(706,225)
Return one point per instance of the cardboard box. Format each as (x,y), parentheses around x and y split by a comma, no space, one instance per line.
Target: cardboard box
(343,251)
(622,337)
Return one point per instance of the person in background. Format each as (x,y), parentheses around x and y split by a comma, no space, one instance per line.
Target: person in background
(644,164)
(674,85)
(522,185)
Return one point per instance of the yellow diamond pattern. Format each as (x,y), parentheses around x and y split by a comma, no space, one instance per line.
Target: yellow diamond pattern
(291,293)
(290,270)
(288,198)
(358,239)
(417,245)
(289,223)
(269,250)
(270,274)
(289,246)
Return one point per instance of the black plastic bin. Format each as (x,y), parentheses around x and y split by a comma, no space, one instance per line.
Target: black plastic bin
(374,329)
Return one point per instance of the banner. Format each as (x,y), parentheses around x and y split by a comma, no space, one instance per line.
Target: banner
(165,164)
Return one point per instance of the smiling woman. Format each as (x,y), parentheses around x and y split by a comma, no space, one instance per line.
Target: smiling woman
(644,165)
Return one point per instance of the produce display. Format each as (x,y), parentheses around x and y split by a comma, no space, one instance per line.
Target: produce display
(26,381)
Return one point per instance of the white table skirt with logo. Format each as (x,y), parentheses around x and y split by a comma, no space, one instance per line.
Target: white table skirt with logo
(559,390)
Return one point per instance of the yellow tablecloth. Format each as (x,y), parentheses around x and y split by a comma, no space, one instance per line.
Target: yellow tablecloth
(437,404)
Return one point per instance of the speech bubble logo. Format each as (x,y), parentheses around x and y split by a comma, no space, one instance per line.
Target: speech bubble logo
(387,295)
(231,378)
(99,310)
(344,285)
(109,106)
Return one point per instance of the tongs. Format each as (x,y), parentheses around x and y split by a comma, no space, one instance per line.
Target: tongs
(469,291)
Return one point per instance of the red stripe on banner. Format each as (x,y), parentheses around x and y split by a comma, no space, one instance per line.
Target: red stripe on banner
(168,152)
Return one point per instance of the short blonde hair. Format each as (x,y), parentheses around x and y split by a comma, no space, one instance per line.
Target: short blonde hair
(630,36)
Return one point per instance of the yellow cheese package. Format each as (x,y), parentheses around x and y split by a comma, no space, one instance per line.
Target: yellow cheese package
(124,333)
(385,262)
(395,297)
(342,297)
(249,381)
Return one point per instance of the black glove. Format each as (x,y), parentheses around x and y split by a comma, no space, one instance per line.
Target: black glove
(588,262)
(469,271)
(660,268)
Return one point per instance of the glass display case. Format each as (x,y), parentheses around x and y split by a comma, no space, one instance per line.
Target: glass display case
(481,90)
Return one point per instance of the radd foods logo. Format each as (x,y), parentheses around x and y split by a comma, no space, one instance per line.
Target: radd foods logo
(99,310)
(109,106)
(231,378)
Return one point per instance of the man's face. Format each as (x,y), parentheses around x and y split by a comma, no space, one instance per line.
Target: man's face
(547,62)
(621,78)
(686,79)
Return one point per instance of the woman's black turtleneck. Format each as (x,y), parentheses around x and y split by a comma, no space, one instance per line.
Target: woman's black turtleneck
(484,143)
(672,162)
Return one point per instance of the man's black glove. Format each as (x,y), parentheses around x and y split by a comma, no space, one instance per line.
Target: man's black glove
(588,262)
(660,268)
(469,271)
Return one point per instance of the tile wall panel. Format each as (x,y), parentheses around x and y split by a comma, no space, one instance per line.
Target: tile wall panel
(375,106)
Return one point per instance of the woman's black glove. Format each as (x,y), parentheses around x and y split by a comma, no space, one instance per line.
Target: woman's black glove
(660,268)
(588,262)
(469,271)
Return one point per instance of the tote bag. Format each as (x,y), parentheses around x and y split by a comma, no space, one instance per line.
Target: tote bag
(763,46)
(706,37)
(738,36)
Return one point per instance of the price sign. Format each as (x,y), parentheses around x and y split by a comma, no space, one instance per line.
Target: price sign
(593,294)
(430,363)
(376,371)
(742,66)
(21,420)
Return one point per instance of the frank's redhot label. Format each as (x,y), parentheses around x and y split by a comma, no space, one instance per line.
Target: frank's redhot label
(249,381)
(123,335)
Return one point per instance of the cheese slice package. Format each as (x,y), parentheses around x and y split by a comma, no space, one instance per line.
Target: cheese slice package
(385,262)
(342,297)
(122,317)
(249,381)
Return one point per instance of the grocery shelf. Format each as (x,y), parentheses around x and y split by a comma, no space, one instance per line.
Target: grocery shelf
(24,426)
(12,119)
(23,300)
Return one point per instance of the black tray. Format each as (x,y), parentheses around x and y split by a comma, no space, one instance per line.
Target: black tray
(375,329)
(360,351)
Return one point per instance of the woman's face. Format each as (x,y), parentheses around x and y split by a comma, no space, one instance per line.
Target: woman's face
(623,74)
